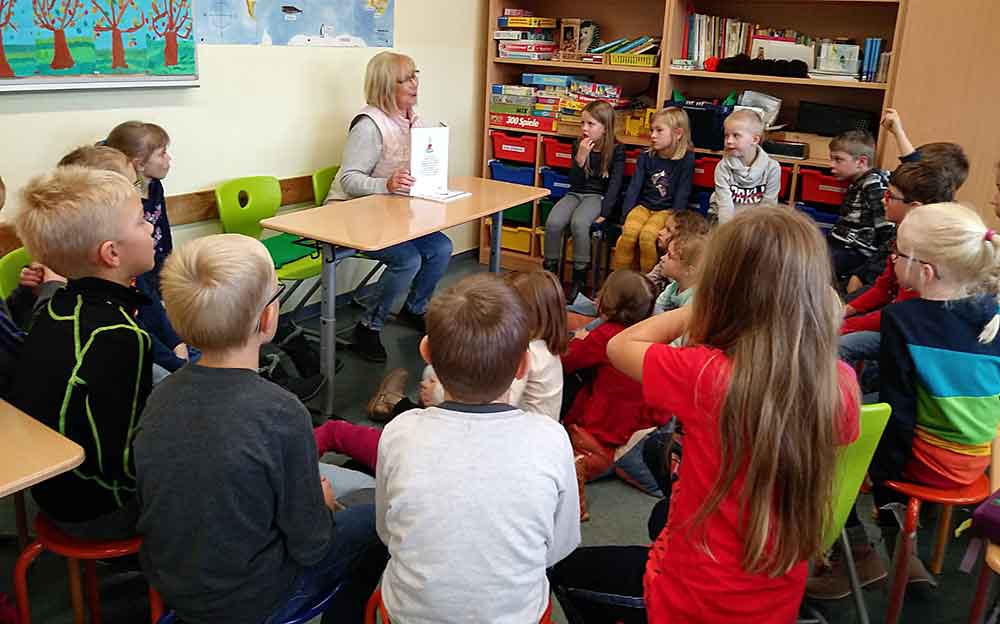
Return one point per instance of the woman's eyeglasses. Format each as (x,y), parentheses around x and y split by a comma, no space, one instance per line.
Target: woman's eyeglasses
(277,294)
(414,77)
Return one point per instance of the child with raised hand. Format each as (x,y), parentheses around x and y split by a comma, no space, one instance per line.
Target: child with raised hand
(84,354)
(939,369)
(747,176)
(910,185)
(145,144)
(661,184)
(604,406)
(861,228)
(764,404)
(595,183)
(949,157)
(265,537)
(475,498)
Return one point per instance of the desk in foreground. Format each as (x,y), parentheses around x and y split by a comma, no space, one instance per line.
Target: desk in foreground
(30,452)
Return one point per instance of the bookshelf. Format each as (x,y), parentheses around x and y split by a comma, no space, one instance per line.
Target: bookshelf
(855,19)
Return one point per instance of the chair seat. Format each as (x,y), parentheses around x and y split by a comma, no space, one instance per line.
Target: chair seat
(968,495)
(301,269)
(58,542)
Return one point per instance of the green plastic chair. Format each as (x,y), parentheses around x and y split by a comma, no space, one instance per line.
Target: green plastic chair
(263,198)
(852,466)
(322,179)
(10,270)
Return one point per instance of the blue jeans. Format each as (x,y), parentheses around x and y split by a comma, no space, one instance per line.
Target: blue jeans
(860,346)
(356,559)
(417,264)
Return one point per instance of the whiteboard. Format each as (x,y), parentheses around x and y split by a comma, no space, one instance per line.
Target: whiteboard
(54,45)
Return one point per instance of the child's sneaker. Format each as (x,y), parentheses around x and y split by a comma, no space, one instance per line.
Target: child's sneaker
(831,581)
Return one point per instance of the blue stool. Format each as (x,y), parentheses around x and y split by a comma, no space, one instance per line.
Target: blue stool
(302,618)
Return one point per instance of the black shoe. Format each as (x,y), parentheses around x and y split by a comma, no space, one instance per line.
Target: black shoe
(552,266)
(579,283)
(368,345)
(411,319)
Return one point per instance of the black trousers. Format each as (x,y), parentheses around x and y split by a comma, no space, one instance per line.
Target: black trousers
(602,584)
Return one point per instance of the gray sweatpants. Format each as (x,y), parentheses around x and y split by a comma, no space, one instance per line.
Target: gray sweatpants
(577,211)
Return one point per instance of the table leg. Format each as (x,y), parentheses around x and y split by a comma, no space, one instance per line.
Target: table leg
(21,518)
(328,326)
(495,243)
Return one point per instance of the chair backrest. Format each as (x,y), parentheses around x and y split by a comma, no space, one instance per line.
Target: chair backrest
(262,195)
(10,270)
(322,180)
(852,466)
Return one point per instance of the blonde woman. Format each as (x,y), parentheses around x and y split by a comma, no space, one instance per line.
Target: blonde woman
(376,160)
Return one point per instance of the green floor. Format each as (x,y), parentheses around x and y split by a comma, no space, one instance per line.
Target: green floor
(618,516)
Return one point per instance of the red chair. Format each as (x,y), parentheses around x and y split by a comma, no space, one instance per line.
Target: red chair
(375,610)
(968,495)
(52,539)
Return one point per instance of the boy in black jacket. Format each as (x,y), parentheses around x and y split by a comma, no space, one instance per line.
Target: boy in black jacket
(84,368)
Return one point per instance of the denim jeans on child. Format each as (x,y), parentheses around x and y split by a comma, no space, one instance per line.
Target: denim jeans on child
(417,264)
(356,559)
(860,346)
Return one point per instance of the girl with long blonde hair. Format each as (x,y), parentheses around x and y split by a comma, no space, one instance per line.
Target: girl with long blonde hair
(764,404)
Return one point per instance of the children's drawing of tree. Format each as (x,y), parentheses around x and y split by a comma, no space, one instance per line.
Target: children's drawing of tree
(6,12)
(56,16)
(111,16)
(171,19)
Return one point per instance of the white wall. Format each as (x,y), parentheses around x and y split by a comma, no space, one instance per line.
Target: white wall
(279,111)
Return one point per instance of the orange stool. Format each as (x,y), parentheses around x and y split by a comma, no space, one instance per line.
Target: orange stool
(376,608)
(52,539)
(968,495)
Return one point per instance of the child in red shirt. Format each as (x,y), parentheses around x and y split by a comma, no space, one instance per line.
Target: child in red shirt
(608,408)
(756,480)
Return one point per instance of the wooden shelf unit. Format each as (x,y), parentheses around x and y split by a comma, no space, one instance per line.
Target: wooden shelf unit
(856,19)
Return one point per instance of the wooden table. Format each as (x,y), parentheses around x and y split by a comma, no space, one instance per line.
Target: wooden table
(30,453)
(375,222)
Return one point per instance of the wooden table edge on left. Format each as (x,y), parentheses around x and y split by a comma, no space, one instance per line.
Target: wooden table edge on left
(329,249)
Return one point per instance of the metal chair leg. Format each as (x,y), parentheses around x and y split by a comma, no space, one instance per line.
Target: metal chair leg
(852,572)
(901,561)
(982,592)
(75,593)
(93,590)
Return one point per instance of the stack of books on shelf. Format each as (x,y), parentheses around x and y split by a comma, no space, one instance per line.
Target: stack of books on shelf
(875,62)
(851,62)
(521,35)
(543,101)
(707,36)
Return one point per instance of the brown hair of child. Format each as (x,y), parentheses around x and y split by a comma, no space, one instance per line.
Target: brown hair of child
(137,140)
(546,306)
(602,112)
(923,181)
(856,143)
(477,335)
(689,247)
(690,222)
(626,298)
(949,157)
(100,157)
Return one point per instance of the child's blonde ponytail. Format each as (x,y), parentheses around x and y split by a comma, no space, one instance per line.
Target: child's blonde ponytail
(990,331)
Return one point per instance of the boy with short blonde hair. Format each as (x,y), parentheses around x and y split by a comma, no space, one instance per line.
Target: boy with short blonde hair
(861,227)
(746,176)
(85,367)
(260,541)
(474,498)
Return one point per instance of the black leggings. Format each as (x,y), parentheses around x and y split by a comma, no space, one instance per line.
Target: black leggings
(602,584)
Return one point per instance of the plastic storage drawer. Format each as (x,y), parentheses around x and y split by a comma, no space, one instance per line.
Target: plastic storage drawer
(556,181)
(820,188)
(517,148)
(512,173)
(704,172)
(557,153)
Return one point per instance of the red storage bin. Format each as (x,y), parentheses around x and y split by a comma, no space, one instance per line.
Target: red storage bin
(518,148)
(631,158)
(820,188)
(786,176)
(557,153)
(704,172)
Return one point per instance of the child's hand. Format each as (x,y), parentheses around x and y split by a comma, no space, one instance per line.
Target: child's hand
(32,276)
(891,121)
(48,275)
(328,497)
(427,390)
(181,351)
(581,334)
(854,284)
(849,310)
(662,238)
(599,220)
(583,150)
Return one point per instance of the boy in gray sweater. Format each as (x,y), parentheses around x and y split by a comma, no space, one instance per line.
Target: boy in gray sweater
(474,498)
(237,523)
(747,176)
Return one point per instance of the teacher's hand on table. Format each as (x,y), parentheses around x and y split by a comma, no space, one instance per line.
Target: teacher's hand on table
(400,181)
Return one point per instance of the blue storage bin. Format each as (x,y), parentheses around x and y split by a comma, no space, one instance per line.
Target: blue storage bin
(556,181)
(700,201)
(824,219)
(512,173)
